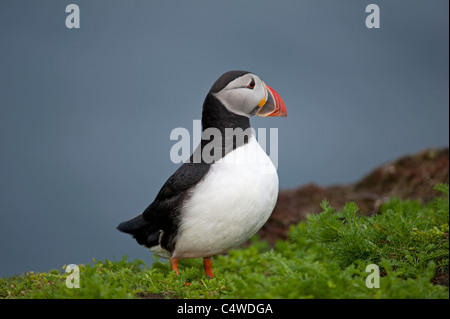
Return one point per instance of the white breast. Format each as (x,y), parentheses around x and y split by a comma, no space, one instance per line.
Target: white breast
(230,204)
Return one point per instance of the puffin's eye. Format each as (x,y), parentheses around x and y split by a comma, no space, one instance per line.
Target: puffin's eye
(251,85)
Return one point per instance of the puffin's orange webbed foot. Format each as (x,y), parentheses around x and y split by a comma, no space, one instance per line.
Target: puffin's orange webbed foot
(207,264)
(174,265)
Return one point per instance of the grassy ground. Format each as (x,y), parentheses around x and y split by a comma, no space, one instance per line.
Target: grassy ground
(325,257)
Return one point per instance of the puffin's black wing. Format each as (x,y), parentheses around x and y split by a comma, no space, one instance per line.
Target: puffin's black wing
(162,217)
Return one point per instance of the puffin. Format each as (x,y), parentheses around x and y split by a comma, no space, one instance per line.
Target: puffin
(226,191)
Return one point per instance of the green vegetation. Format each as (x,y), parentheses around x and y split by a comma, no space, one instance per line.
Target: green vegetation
(325,257)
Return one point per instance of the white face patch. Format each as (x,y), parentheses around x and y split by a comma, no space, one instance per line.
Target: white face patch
(238,96)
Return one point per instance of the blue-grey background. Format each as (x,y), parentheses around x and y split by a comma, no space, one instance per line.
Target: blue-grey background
(86,114)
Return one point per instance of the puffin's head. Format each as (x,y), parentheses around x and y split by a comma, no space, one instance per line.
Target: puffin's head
(244,93)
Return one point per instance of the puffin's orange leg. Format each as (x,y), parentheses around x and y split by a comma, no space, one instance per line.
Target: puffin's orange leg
(207,264)
(174,264)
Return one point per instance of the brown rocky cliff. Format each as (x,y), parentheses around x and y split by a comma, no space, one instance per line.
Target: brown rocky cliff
(412,177)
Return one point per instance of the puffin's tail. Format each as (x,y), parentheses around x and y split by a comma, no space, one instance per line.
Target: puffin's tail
(144,233)
(133,225)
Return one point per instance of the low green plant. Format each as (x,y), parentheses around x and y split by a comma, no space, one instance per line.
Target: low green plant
(325,257)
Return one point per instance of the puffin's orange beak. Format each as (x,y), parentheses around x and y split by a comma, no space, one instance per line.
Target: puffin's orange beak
(273,105)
